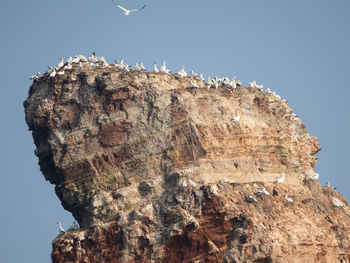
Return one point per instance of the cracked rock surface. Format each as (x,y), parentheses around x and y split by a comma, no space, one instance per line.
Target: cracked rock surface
(156,171)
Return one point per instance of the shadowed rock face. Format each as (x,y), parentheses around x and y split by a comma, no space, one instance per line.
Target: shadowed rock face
(119,146)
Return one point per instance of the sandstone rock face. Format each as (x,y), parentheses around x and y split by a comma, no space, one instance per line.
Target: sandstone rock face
(121,148)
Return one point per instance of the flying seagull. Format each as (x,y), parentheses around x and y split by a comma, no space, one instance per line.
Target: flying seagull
(127,11)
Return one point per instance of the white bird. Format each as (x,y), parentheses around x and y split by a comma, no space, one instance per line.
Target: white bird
(142,66)
(80,65)
(315,176)
(76,59)
(82,58)
(268,91)
(137,67)
(251,84)
(290,200)
(119,66)
(337,203)
(91,57)
(155,69)
(260,86)
(237,117)
(182,72)
(53,74)
(61,72)
(224,180)
(191,183)
(193,74)
(262,191)
(250,199)
(233,83)
(69,60)
(61,64)
(128,11)
(194,84)
(60,227)
(163,68)
(201,77)
(126,68)
(216,82)
(239,83)
(184,184)
(281,179)
(209,82)
(68,66)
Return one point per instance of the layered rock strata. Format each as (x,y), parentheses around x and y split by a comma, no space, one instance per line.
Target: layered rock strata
(157,171)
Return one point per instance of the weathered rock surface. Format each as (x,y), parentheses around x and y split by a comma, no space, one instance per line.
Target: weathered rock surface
(119,147)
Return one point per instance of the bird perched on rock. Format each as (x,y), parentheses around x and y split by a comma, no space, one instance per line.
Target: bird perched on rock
(142,66)
(194,84)
(250,199)
(164,69)
(193,74)
(184,184)
(155,69)
(290,200)
(337,203)
(191,183)
(262,191)
(60,227)
(281,179)
(201,77)
(137,67)
(274,191)
(237,117)
(315,176)
(182,72)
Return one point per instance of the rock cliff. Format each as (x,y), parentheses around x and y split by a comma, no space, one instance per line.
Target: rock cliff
(155,170)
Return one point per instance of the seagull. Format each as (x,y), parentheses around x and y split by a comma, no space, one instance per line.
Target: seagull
(193,74)
(250,199)
(60,227)
(128,11)
(201,77)
(281,179)
(155,67)
(68,66)
(290,200)
(194,84)
(237,117)
(142,66)
(191,183)
(76,59)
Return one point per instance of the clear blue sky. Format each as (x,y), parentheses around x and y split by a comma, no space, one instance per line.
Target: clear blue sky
(299,48)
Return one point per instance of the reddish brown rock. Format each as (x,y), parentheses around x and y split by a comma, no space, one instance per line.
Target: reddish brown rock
(120,146)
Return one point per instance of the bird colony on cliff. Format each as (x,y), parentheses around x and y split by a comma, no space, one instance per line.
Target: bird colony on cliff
(80,61)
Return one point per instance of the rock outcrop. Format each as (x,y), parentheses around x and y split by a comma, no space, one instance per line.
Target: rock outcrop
(156,171)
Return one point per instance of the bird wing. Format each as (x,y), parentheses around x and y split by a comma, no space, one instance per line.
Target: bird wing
(138,9)
(122,8)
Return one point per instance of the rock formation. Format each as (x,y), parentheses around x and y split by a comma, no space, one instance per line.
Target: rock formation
(121,147)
